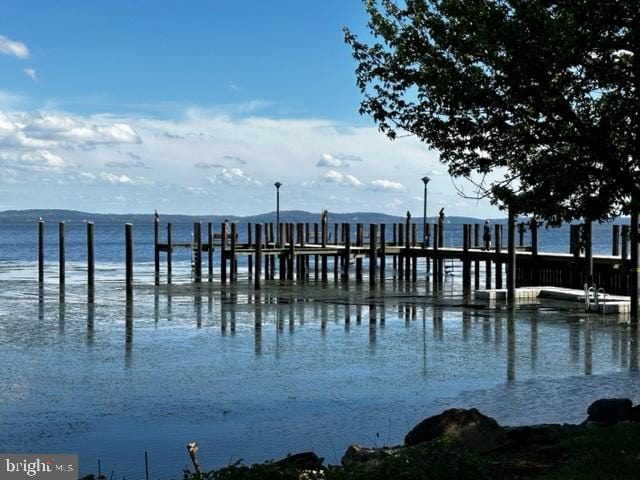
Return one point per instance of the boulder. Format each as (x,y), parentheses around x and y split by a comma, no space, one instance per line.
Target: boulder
(470,428)
(360,454)
(610,410)
(301,461)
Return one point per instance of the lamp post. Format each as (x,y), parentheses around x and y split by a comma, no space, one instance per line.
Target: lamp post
(278,185)
(425,180)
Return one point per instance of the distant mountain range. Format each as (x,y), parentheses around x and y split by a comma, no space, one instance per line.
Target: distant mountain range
(295,216)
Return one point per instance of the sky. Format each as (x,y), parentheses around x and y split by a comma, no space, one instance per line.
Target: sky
(199,107)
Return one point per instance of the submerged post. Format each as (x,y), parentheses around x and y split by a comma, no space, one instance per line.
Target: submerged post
(91,256)
(128,253)
(511,249)
(61,255)
(40,251)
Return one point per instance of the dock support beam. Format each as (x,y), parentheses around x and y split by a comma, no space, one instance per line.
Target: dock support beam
(498,235)
(383,252)
(466,264)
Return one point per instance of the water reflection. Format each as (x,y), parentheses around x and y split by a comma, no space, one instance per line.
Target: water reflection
(509,338)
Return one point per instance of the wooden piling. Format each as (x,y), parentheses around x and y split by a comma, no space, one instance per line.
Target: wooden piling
(61,255)
(511,249)
(250,256)
(156,249)
(587,231)
(292,252)
(624,241)
(91,256)
(197,252)
(210,251)
(383,253)
(436,264)
(258,251)
(169,253)
(359,243)
(634,271)
(535,267)
(347,251)
(272,258)
(498,263)
(336,257)
(373,251)
(414,257)
(324,237)
(223,253)
(233,261)
(40,251)
(427,244)
(316,241)
(615,240)
(401,254)
(407,246)
(394,243)
(282,274)
(440,245)
(466,264)
(128,254)
(476,264)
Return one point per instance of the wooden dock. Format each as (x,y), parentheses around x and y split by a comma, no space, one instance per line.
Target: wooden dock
(359,253)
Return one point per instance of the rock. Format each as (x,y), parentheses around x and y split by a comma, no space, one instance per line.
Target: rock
(360,454)
(635,414)
(543,434)
(469,427)
(301,461)
(610,410)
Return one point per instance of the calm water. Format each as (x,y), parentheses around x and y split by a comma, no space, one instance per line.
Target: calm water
(256,376)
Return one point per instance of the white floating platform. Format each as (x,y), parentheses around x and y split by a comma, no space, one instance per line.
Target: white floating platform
(612,304)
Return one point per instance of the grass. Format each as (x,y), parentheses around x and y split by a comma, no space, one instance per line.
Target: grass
(585,454)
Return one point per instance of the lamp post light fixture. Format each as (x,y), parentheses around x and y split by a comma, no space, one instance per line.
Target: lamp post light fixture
(425,180)
(278,185)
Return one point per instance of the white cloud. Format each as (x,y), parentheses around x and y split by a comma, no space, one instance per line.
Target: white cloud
(116,179)
(31,73)
(386,185)
(46,130)
(234,177)
(12,47)
(337,160)
(345,180)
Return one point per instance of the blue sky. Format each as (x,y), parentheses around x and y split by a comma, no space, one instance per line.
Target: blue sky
(127,106)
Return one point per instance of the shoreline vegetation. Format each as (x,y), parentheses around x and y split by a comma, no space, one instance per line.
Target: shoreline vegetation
(465,444)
